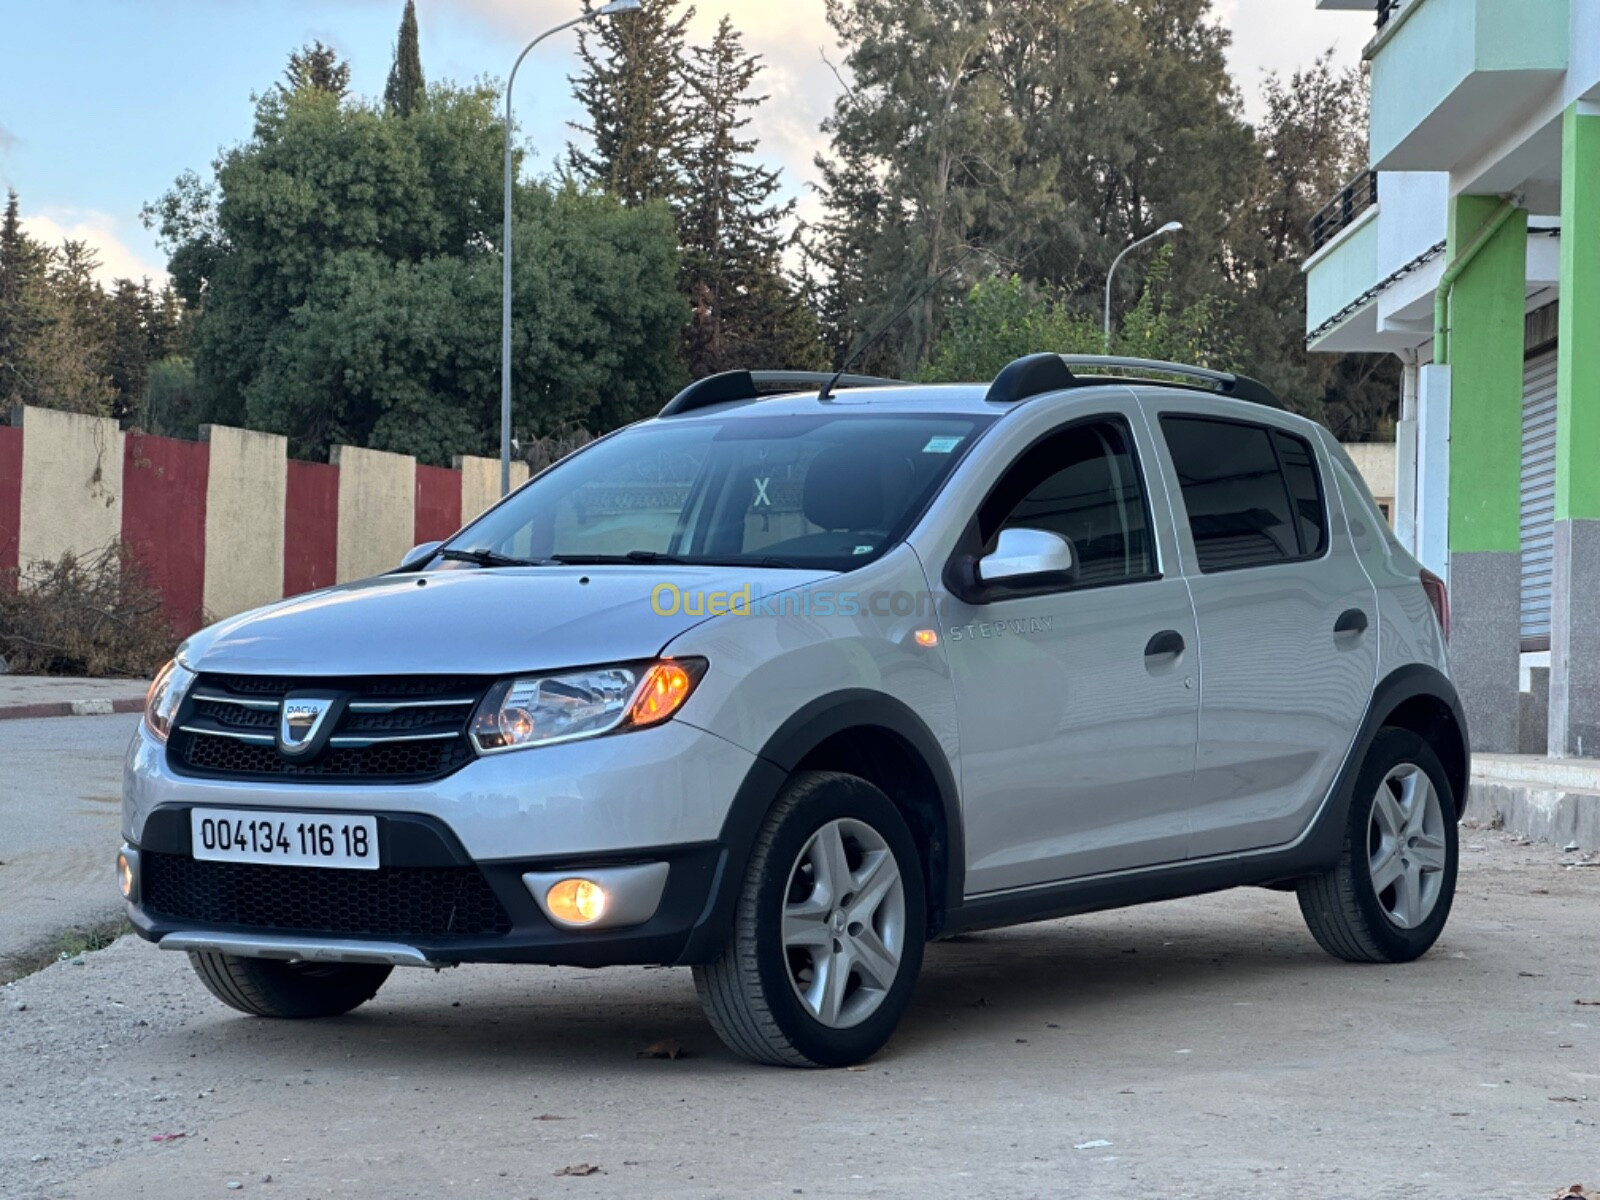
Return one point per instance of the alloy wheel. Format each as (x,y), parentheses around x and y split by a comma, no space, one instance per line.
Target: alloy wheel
(844,923)
(1406,848)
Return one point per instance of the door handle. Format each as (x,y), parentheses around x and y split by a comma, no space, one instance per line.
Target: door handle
(1168,643)
(1351,622)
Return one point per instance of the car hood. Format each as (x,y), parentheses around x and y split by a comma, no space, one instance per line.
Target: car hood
(475,622)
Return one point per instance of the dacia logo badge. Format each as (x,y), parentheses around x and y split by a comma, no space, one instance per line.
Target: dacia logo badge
(300,721)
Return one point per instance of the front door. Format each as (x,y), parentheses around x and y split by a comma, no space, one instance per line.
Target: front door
(1078,702)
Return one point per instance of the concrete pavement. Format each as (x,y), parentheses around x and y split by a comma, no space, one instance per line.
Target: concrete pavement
(28,697)
(1204,1049)
(60,816)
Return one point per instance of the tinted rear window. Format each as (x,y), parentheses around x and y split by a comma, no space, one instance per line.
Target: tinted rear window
(1252,493)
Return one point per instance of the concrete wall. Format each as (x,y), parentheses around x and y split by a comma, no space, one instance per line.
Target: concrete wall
(480,484)
(1377,462)
(72,485)
(244,519)
(377,510)
(225,524)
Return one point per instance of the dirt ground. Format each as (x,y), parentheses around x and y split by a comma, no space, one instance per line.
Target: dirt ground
(1203,1048)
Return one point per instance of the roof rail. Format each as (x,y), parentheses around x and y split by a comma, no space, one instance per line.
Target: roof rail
(1040,374)
(733,386)
(1237,387)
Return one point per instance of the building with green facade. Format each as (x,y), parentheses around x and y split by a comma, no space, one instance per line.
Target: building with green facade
(1471,249)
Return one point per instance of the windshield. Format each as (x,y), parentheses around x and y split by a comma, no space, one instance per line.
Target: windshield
(828,492)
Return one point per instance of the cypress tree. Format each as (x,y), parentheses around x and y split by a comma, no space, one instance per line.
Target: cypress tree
(632,86)
(745,313)
(406,82)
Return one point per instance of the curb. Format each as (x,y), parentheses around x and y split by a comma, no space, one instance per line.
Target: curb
(69,708)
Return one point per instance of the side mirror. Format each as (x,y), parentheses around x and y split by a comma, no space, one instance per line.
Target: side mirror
(420,554)
(1029,558)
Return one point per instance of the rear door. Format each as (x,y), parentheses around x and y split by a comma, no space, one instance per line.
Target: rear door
(1288,621)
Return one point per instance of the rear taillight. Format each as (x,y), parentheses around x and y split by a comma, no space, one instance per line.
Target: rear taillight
(1439,597)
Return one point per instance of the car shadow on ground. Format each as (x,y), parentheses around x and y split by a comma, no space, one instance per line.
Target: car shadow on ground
(1096,980)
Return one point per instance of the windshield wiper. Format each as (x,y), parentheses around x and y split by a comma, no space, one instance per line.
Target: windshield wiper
(488,558)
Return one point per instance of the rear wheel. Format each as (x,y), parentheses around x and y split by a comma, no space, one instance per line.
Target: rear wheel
(1389,897)
(828,934)
(294,991)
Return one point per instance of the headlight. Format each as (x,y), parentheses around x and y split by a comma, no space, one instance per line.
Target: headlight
(166,693)
(541,710)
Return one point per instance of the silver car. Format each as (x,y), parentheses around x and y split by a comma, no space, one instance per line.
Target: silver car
(806,673)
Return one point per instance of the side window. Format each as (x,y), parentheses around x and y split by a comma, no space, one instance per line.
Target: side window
(1082,483)
(1252,493)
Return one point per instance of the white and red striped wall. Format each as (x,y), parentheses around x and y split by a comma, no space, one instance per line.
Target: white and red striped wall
(227,523)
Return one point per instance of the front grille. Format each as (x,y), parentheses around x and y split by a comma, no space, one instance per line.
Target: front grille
(423,903)
(406,729)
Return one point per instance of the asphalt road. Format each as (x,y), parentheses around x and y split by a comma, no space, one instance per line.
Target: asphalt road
(60,813)
(1204,1048)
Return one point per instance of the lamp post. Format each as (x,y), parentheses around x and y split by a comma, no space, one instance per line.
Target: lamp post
(1169,227)
(617,6)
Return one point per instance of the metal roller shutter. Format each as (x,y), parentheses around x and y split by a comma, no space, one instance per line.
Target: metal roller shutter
(1538,496)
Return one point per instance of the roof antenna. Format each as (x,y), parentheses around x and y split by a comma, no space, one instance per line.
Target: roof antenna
(922,293)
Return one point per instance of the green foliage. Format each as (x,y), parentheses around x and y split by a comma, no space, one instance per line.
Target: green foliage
(171,400)
(407,84)
(632,86)
(1040,137)
(352,290)
(65,341)
(1002,319)
(316,68)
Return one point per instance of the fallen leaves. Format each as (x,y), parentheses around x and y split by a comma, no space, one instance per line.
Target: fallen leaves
(665,1048)
(582,1169)
(167,1137)
(1574,1192)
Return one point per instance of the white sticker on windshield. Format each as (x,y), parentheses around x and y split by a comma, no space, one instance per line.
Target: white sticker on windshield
(863,550)
(942,445)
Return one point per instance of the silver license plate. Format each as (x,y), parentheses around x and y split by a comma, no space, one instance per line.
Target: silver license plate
(300,839)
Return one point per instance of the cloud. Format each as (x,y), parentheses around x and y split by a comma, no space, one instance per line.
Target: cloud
(101,231)
(8,140)
(1270,35)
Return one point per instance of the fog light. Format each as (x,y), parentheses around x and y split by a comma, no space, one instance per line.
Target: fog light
(125,876)
(577,902)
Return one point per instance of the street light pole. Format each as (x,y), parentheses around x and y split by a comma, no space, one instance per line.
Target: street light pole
(618,6)
(1169,227)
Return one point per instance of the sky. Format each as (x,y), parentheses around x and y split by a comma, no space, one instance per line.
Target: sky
(104,102)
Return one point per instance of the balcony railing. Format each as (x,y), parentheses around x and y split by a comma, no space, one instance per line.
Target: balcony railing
(1387,9)
(1360,194)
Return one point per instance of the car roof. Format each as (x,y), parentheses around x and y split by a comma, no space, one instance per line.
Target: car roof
(972,400)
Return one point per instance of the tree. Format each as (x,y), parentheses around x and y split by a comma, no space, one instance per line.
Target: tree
(744,312)
(406,83)
(23,263)
(1003,319)
(316,68)
(632,87)
(351,288)
(1312,139)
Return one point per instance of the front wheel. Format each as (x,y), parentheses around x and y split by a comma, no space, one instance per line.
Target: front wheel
(289,990)
(1389,897)
(828,934)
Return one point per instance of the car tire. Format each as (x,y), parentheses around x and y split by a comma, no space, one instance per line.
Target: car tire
(289,991)
(1390,895)
(802,979)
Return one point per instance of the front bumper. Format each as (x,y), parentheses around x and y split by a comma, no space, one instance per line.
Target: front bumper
(659,796)
(682,929)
